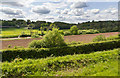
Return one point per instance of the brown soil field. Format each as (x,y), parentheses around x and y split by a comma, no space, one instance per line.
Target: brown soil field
(81,38)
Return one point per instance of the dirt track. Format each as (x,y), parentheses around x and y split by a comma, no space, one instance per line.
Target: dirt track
(81,38)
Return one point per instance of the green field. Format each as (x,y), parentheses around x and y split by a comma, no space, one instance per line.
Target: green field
(17,31)
(101,63)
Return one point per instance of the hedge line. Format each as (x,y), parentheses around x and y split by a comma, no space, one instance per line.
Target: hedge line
(10,54)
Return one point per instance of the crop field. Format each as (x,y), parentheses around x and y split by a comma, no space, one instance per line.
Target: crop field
(71,38)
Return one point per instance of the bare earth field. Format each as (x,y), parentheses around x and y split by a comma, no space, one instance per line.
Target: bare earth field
(81,38)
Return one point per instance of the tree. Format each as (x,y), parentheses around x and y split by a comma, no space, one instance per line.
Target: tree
(30,27)
(28,22)
(51,39)
(74,30)
(51,26)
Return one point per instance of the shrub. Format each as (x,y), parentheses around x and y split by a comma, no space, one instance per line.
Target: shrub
(79,32)
(73,43)
(74,30)
(9,46)
(10,54)
(99,38)
(37,44)
(67,33)
(51,39)
(113,37)
(119,35)
(35,36)
(61,32)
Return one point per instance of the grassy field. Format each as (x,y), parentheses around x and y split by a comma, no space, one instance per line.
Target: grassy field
(17,31)
(102,63)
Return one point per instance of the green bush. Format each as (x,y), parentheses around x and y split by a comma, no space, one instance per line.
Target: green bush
(10,54)
(51,39)
(61,32)
(90,31)
(37,44)
(113,37)
(99,38)
(74,30)
(35,36)
(67,33)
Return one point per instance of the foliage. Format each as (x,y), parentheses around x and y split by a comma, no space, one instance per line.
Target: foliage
(10,54)
(35,36)
(98,62)
(99,38)
(113,37)
(90,31)
(74,30)
(102,26)
(67,33)
(51,39)
(61,32)
(74,43)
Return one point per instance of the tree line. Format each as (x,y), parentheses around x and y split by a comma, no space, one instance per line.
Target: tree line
(102,26)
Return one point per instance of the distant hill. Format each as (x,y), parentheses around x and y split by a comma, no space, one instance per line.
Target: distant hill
(102,26)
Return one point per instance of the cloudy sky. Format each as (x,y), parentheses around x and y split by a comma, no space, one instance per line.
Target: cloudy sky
(72,11)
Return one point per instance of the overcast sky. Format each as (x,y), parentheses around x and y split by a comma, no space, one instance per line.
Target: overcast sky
(72,11)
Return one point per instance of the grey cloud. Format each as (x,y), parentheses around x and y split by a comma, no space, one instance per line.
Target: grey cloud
(78,5)
(41,10)
(17,4)
(10,11)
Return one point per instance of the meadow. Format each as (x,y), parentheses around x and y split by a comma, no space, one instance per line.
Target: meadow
(15,32)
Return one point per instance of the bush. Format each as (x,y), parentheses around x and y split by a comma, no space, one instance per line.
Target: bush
(67,33)
(51,39)
(90,31)
(10,54)
(35,36)
(74,30)
(113,37)
(99,38)
(79,32)
(61,32)
(37,44)
(73,43)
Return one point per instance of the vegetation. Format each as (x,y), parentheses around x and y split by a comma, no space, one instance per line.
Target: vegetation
(51,56)
(99,38)
(102,26)
(74,30)
(51,39)
(102,63)
(23,53)
(103,38)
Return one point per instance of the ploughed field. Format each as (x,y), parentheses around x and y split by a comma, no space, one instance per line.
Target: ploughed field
(78,38)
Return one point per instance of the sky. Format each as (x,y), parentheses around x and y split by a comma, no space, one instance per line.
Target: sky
(70,11)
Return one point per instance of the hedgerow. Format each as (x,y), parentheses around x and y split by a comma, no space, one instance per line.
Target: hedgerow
(10,54)
(43,67)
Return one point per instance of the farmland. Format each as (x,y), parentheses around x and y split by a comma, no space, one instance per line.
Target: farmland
(54,52)
(71,38)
